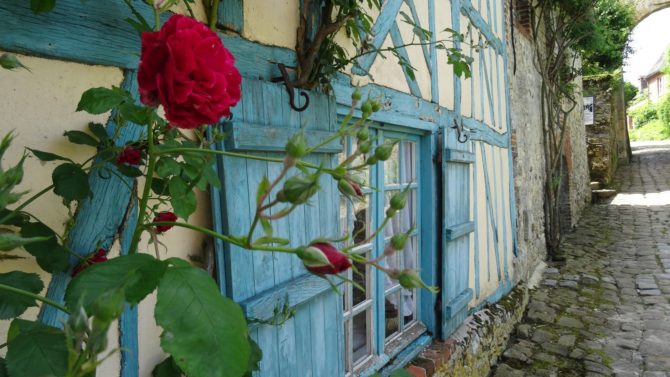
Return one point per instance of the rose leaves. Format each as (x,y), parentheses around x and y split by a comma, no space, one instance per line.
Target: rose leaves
(13,304)
(190,309)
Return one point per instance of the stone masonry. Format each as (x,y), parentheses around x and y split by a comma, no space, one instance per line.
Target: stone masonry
(606,310)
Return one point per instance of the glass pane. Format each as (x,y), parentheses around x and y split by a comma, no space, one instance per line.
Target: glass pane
(364,174)
(409,162)
(391,312)
(362,222)
(344,215)
(362,277)
(345,297)
(392,167)
(408,305)
(347,346)
(361,328)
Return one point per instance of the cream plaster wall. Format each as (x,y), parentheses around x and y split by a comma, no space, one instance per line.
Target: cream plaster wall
(38,106)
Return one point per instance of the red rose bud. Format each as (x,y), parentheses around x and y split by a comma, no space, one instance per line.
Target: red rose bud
(164,216)
(97,257)
(349,188)
(296,146)
(324,259)
(409,279)
(298,189)
(130,156)
(185,68)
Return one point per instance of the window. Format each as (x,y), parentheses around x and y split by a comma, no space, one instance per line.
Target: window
(383,317)
(523,16)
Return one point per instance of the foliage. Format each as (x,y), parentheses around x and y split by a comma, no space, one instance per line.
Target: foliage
(654,130)
(629,92)
(663,109)
(643,113)
(604,45)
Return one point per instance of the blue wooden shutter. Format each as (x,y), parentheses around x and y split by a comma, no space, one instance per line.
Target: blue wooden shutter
(457,160)
(309,344)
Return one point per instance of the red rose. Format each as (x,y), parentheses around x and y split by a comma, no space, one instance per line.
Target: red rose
(186,68)
(164,216)
(130,156)
(324,259)
(97,257)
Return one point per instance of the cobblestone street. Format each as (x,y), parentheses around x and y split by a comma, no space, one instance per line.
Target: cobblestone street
(606,310)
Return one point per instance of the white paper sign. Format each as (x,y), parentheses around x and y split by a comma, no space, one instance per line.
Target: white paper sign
(589,110)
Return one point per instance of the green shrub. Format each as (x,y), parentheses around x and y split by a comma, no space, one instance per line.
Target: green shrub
(663,109)
(643,114)
(654,130)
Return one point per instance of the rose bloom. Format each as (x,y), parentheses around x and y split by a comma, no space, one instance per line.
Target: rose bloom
(164,216)
(130,156)
(98,257)
(186,68)
(339,262)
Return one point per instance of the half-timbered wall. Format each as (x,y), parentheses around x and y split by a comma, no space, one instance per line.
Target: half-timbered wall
(467,235)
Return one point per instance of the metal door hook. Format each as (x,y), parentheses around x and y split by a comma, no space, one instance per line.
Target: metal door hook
(461,136)
(290,89)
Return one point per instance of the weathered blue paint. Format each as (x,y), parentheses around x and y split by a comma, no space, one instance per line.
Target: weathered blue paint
(243,136)
(458,304)
(387,18)
(231,15)
(489,207)
(456,231)
(434,74)
(476,19)
(429,238)
(408,354)
(128,335)
(87,37)
(481,132)
(451,155)
(397,41)
(99,217)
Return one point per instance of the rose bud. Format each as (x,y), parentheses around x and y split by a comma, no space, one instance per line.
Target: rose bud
(298,189)
(409,279)
(130,156)
(97,257)
(363,134)
(365,146)
(296,145)
(356,95)
(398,200)
(166,216)
(383,152)
(366,108)
(324,259)
(372,160)
(349,188)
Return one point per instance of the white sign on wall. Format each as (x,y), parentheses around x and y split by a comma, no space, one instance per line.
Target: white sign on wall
(589,110)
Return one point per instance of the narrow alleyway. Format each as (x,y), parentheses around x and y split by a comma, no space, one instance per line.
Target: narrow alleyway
(606,310)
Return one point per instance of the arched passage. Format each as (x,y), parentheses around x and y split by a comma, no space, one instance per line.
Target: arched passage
(644,8)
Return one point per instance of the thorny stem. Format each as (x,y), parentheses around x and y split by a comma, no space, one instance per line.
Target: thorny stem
(36,297)
(146,193)
(259,204)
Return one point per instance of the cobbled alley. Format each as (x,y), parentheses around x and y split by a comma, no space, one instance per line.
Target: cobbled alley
(606,309)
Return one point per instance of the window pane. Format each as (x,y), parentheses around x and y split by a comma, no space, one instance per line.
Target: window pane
(361,327)
(408,305)
(409,161)
(347,346)
(344,215)
(362,218)
(391,312)
(404,218)
(392,167)
(362,277)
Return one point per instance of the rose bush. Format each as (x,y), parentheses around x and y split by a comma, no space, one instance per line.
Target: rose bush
(185,68)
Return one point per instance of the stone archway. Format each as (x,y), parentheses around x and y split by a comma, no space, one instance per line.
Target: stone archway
(644,8)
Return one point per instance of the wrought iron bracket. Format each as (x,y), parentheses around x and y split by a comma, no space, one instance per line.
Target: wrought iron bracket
(461,136)
(291,89)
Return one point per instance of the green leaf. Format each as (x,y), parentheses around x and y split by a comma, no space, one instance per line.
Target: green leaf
(267,227)
(36,350)
(79,137)
(262,187)
(16,218)
(135,113)
(98,130)
(167,166)
(203,320)
(14,304)
(129,171)
(11,241)
(254,358)
(47,156)
(10,61)
(159,186)
(50,255)
(101,100)
(71,182)
(167,368)
(134,275)
(3,368)
(182,198)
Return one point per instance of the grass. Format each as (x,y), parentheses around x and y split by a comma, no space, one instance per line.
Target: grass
(652,131)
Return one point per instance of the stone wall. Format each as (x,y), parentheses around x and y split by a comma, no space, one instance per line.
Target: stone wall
(607,137)
(528,152)
(477,343)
